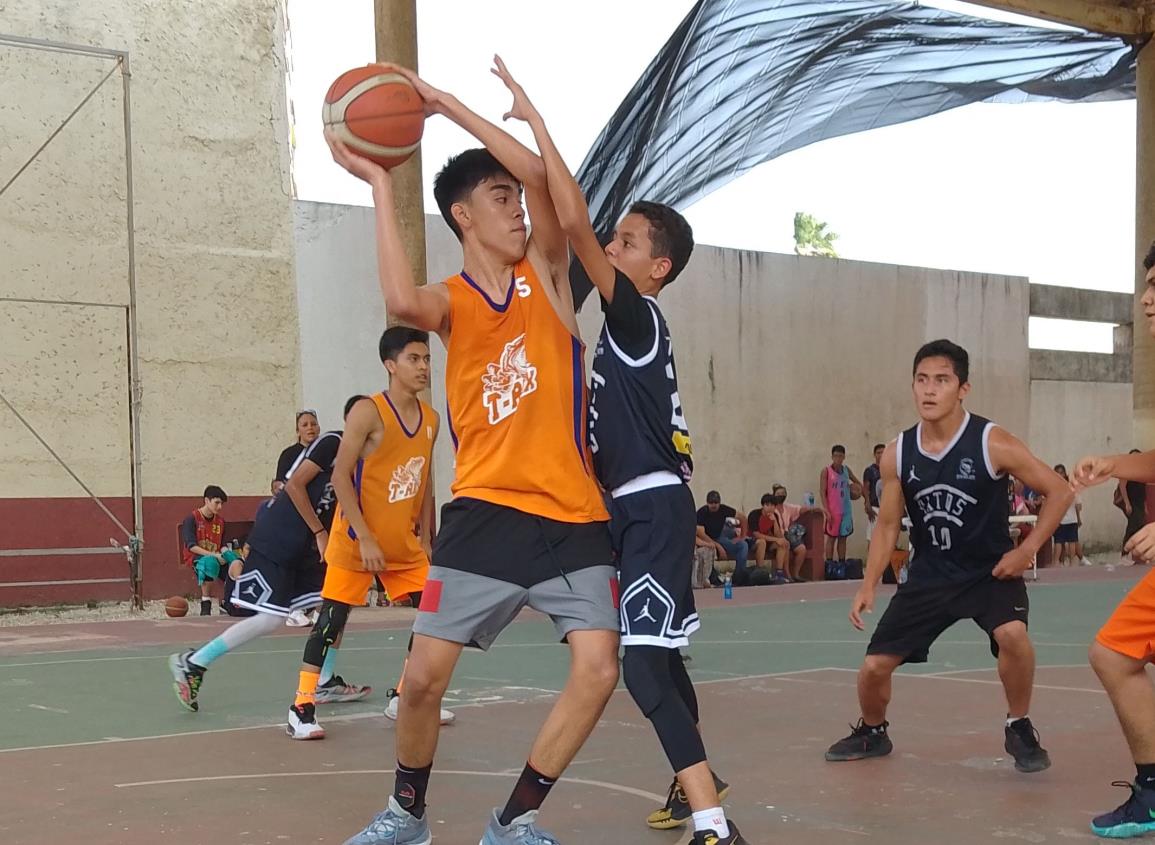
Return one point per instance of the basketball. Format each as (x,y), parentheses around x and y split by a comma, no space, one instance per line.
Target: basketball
(176,606)
(855,491)
(377,113)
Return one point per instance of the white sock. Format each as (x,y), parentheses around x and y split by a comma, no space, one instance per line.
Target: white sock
(1012,719)
(713,819)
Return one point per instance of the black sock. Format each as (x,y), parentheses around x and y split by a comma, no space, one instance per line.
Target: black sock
(530,792)
(1145,775)
(409,787)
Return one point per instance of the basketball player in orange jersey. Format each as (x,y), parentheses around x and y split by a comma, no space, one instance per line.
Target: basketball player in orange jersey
(381,478)
(527,525)
(642,456)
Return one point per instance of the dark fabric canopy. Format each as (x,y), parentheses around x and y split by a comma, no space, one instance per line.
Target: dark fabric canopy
(741,82)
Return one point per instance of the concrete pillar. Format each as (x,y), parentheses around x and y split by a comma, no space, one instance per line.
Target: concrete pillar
(1143,369)
(396,25)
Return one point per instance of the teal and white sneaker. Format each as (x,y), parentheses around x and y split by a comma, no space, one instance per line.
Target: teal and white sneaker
(394,826)
(521,831)
(1134,817)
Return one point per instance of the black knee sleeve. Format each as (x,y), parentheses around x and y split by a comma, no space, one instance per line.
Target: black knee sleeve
(647,674)
(328,627)
(683,683)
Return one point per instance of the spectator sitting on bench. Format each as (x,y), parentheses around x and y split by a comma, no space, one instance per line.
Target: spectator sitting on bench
(790,535)
(201,534)
(762,528)
(722,526)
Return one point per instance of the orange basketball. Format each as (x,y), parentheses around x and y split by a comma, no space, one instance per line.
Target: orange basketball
(377,113)
(176,606)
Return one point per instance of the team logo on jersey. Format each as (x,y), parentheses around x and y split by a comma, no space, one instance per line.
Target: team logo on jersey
(508,381)
(941,501)
(912,477)
(966,470)
(406,479)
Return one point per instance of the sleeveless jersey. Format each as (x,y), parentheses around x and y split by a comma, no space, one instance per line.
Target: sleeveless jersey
(279,533)
(516,395)
(636,423)
(390,486)
(957,505)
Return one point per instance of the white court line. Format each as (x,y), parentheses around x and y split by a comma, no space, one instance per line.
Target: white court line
(601,784)
(952,676)
(369,715)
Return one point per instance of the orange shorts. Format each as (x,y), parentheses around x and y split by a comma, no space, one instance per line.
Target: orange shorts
(349,586)
(1130,630)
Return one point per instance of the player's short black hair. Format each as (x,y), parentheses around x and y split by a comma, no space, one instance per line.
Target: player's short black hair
(1060,467)
(767,499)
(460,175)
(1149,260)
(350,402)
(396,338)
(670,235)
(214,492)
(954,353)
(878,446)
(713,496)
(838,447)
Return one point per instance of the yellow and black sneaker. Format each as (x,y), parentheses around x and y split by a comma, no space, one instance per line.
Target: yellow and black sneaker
(676,811)
(709,837)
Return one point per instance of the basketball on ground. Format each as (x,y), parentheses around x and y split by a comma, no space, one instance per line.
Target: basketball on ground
(176,606)
(377,113)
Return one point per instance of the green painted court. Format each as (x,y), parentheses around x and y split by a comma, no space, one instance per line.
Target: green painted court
(95,735)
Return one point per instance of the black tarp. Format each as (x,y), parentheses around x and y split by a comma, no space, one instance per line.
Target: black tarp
(741,82)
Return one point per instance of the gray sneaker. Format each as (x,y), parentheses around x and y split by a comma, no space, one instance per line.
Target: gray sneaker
(521,831)
(393,826)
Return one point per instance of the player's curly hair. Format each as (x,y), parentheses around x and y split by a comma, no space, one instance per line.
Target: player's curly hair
(670,235)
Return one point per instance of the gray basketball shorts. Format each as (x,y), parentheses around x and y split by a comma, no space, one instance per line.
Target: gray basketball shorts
(471,609)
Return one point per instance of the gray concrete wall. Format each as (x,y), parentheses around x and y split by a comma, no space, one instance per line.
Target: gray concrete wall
(1070,419)
(779,357)
(217,305)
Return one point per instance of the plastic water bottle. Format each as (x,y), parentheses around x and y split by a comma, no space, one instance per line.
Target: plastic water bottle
(727,588)
(809,499)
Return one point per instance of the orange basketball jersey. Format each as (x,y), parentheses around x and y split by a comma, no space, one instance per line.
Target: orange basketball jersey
(390,486)
(516,389)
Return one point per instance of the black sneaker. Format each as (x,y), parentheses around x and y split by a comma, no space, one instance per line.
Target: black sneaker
(1134,817)
(1022,743)
(186,679)
(206,607)
(676,811)
(709,837)
(863,742)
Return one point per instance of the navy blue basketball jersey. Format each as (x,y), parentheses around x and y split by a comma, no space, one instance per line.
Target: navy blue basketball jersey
(279,531)
(957,504)
(636,425)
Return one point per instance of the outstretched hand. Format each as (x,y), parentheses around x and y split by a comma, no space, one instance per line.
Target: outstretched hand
(434,98)
(522,108)
(1093,470)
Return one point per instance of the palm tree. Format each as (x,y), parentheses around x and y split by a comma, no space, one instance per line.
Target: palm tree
(812,238)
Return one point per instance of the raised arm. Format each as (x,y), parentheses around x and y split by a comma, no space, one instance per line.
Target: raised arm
(522,163)
(573,214)
(424,307)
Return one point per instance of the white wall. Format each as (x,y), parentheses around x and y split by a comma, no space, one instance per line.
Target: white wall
(778,357)
(1070,419)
